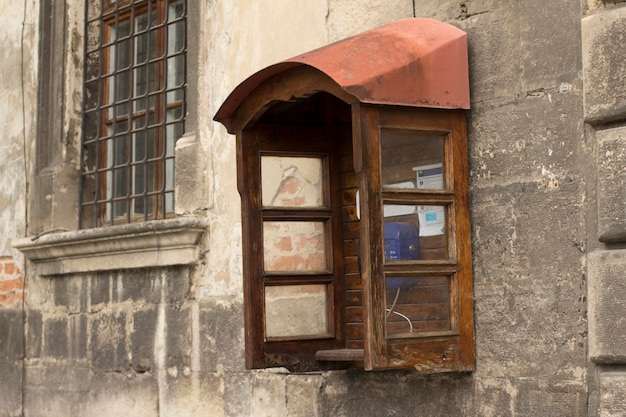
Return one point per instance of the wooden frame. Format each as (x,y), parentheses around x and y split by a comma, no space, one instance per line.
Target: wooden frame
(430,352)
(353,344)
(261,350)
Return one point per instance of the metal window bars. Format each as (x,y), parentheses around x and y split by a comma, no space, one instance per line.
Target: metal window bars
(133,109)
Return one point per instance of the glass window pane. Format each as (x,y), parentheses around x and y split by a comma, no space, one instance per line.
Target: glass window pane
(176,37)
(415,232)
(296,311)
(175,72)
(173,133)
(143,206)
(417,304)
(120,210)
(176,9)
(292,246)
(412,159)
(292,181)
(176,113)
(122,29)
(169,202)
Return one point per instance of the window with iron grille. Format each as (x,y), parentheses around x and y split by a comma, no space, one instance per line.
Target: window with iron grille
(134,108)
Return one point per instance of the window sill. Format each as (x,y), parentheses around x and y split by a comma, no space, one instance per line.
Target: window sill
(136,245)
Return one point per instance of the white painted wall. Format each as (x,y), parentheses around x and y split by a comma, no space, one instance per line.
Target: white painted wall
(18,92)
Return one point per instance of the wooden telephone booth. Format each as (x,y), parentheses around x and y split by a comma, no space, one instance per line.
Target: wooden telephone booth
(352,170)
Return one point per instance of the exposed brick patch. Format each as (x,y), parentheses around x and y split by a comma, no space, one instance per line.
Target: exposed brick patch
(11,282)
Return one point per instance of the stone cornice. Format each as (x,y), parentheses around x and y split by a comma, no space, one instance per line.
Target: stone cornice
(136,245)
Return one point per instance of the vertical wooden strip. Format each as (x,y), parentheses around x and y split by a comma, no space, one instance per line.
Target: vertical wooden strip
(249,187)
(368,146)
(463,236)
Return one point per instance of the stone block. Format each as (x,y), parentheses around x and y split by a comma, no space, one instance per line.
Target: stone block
(303,392)
(100,292)
(236,394)
(607,306)
(121,394)
(563,399)
(34,333)
(70,292)
(529,280)
(178,343)
(56,390)
(55,338)
(532,141)
(604,65)
(612,394)
(268,397)
(547,56)
(195,394)
(78,337)
(142,340)
(612,184)
(177,283)
(152,285)
(10,390)
(11,336)
(108,342)
(395,392)
(58,377)
(140,285)
(221,336)
(549,53)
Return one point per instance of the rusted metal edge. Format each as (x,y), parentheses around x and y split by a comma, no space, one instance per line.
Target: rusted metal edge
(416,62)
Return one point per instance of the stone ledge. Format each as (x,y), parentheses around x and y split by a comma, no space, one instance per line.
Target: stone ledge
(604,64)
(607,306)
(136,245)
(611,156)
(612,393)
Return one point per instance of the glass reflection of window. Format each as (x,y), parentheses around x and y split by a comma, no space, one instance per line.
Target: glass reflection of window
(296,311)
(294,247)
(404,168)
(415,232)
(292,182)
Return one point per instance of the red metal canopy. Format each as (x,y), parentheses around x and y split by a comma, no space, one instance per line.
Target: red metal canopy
(416,62)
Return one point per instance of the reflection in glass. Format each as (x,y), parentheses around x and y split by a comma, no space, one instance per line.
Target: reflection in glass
(292,246)
(415,232)
(412,159)
(292,181)
(296,311)
(417,304)
(401,241)
(432,220)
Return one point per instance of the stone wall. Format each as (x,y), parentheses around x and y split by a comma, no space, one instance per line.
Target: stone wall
(604,67)
(546,133)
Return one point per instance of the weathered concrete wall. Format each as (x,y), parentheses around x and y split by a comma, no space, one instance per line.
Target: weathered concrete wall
(169,341)
(18,89)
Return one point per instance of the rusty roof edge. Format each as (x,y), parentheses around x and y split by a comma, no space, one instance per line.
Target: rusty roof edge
(438,47)
(247,86)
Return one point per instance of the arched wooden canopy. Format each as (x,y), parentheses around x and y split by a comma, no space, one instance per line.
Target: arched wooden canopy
(415,62)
